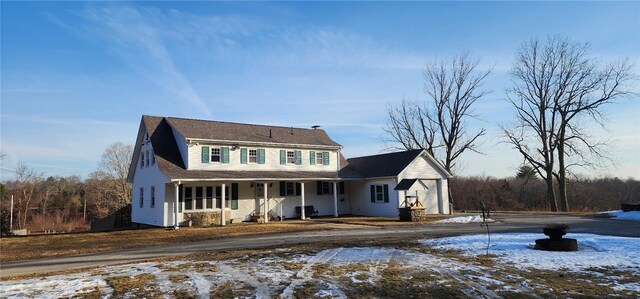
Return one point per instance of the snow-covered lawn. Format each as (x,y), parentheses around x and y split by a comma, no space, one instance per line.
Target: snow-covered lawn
(428,268)
(620,215)
(594,251)
(467,219)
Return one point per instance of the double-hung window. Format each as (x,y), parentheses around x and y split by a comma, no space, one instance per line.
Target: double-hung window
(153,158)
(147,161)
(379,193)
(215,154)
(141,197)
(142,160)
(188,198)
(291,157)
(253,156)
(319,158)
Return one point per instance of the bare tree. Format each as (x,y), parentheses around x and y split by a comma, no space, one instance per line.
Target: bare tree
(27,183)
(438,124)
(115,166)
(554,85)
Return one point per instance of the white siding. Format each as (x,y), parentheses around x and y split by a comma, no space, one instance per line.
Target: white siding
(360,194)
(146,177)
(272,160)
(421,168)
(427,191)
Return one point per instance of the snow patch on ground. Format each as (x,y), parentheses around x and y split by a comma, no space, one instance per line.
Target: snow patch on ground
(620,215)
(467,219)
(280,274)
(595,251)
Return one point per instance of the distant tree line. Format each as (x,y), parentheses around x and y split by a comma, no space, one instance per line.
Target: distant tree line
(60,204)
(526,192)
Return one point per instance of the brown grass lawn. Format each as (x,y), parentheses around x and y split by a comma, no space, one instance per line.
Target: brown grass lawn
(380,221)
(42,246)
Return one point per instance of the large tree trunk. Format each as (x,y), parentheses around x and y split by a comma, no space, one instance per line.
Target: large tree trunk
(551,194)
(562,182)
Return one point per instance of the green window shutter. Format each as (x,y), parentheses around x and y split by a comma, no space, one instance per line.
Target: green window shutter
(386,193)
(325,158)
(283,187)
(312,158)
(225,154)
(298,158)
(260,156)
(283,157)
(205,154)
(234,196)
(243,156)
(373,193)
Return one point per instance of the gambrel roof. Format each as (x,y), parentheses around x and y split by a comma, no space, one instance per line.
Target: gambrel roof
(160,132)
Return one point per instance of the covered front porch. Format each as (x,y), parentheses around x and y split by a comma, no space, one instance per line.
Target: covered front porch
(201,202)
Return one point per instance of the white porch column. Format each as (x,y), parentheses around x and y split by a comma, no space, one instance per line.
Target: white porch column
(440,196)
(266,204)
(222,205)
(335,199)
(302,216)
(175,205)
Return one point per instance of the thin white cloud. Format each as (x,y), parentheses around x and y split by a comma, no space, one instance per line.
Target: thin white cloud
(138,43)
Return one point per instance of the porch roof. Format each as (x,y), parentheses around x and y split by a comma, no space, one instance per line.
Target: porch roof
(212,175)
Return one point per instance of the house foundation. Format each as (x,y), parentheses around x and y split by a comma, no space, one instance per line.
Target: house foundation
(205,218)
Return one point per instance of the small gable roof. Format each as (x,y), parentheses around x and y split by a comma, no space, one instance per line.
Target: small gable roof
(405,184)
(237,132)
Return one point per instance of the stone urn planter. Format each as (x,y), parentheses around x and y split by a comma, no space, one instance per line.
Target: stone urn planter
(556,242)
(555,231)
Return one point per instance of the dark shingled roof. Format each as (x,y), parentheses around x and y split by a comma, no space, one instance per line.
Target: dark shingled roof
(217,130)
(384,165)
(405,184)
(170,161)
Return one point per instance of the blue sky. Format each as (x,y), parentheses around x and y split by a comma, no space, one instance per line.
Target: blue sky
(77,76)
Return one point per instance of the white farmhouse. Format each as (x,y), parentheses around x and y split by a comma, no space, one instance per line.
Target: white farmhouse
(191,170)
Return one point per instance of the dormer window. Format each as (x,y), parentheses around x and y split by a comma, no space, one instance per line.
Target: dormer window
(215,154)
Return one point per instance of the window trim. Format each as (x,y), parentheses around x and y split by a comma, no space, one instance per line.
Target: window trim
(320,157)
(211,154)
(255,156)
(292,157)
